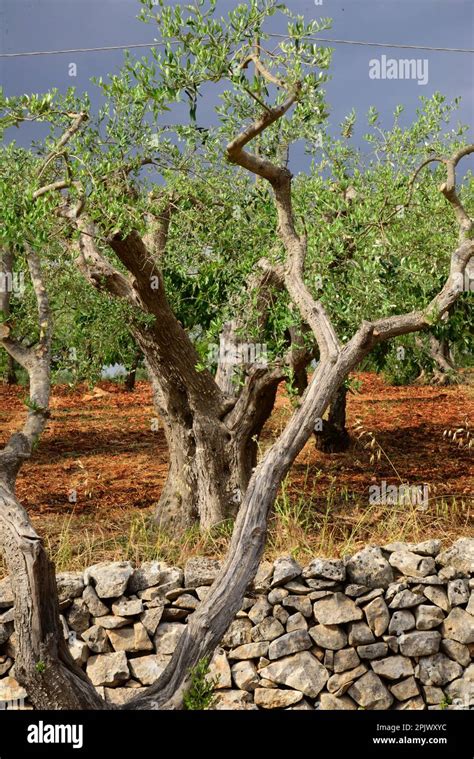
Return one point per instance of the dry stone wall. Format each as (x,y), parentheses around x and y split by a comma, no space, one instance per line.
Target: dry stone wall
(391,627)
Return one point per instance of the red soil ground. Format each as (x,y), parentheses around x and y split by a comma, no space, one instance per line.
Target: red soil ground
(102,446)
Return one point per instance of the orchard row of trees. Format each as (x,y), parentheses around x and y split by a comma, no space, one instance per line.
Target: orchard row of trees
(174,239)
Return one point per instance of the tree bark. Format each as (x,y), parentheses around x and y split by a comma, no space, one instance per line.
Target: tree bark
(43,664)
(211,454)
(332,436)
(131,378)
(12,378)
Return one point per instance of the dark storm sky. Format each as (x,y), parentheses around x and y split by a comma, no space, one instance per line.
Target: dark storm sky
(54,24)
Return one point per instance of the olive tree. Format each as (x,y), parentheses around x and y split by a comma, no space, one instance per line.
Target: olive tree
(206,426)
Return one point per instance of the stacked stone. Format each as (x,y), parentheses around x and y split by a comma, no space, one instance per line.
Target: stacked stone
(391,627)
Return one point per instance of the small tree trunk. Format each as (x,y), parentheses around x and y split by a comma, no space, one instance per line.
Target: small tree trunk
(333,437)
(12,378)
(439,351)
(131,378)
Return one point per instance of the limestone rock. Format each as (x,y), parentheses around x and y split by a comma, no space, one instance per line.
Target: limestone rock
(401,621)
(345,660)
(339,684)
(5,632)
(110,622)
(264,682)
(378,616)
(437,670)
(78,616)
(296,622)
(202,591)
(329,636)
(393,667)
(147,669)
(70,585)
(426,548)
(456,651)
(108,669)
(263,577)
(121,696)
(392,642)
(460,556)
(336,609)
(461,690)
(78,649)
(370,692)
(249,651)
(296,587)
(7,616)
(316,583)
(360,634)
(288,644)
(151,618)
(245,676)
(127,607)
(355,591)
(219,670)
(281,614)
(200,570)
(369,567)
(470,605)
(277,595)
(373,650)
(328,702)
(11,690)
(411,564)
(167,637)
(260,610)
(239,632)
(458,592)
(96,607)
(301,671)
(433,695)
(420,643)
(405,689)
(132,639)
(327,569)
(284,570)
(459,626)
(428,617)
(186,601)
(171,578)
(298,603)
(413,704)
(145,576)
(269,629)
(405,599)
(110,578)
(438,596)
(276,699)
(235,700)
(97,640)
(366,597)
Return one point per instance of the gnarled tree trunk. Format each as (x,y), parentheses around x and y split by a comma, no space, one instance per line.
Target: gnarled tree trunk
(211,454)
(43,664)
